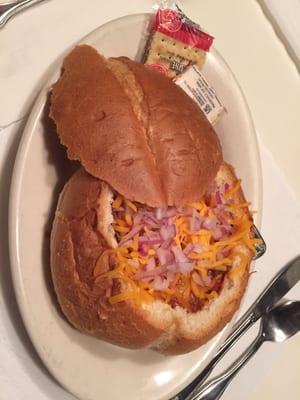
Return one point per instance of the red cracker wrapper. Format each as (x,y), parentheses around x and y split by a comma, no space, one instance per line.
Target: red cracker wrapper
(177,26)
(176,42)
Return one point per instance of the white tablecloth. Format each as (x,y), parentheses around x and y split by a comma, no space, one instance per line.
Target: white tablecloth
(33,40)
(286,15)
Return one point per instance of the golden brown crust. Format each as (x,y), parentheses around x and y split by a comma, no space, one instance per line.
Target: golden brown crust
(134,128)
(76,245)
(187,149)
(94,119)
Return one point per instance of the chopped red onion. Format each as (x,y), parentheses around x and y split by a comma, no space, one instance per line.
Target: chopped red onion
(127,244)
(167,232)
(173,267)
(223,254)
(185,267)
(149,242)
(166,221)
(217,233)
(148,274)
(179,255)
(149,222)
(221,215)
(195,221)
(227,230)
(143,250)
(218,198)
(167,244)
(119,209)
(150,265)
(120,215)
(160,283)
(209,223)
(206,280)
(188,249)
(159,213)
(152,235)
(137,219)
(164,256)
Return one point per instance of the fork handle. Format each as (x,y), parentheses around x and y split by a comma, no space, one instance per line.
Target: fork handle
(9,10)
(240,328)
(214,389)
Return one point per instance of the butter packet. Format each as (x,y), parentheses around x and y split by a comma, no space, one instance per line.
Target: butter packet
(176,42)
(199,89)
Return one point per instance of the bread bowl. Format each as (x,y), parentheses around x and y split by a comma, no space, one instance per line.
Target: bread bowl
(147,150)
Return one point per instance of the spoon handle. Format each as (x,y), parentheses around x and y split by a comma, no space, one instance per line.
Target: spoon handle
(10,9)
(241,327)
(216,387)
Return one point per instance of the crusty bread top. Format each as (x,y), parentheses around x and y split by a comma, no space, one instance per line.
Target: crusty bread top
(134,128)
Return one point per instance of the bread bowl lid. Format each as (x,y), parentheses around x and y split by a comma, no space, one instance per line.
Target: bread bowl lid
(134,128)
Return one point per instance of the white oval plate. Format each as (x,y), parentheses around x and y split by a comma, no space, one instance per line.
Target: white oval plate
(89,368)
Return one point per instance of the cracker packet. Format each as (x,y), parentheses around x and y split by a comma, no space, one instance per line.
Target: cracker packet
(175,42)
(194,83)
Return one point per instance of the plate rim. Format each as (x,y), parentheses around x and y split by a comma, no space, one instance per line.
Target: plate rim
(18,174)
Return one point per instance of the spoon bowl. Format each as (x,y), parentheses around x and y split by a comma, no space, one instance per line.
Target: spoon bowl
(277,325)
(281,322)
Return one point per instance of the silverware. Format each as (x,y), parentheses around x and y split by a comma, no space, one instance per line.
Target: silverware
(260,248)
(11,8)
(277,325)
(283,281)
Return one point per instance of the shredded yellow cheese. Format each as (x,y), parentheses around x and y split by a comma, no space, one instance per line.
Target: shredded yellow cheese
(129,258)
(128,219)
(233,190)
(117,202)
(121,229)
(131,205)
(122,297)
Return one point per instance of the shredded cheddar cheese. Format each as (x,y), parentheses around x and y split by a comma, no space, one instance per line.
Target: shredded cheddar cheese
(229,193)
(131,205)
(121,229)
(144,279)
(117,202)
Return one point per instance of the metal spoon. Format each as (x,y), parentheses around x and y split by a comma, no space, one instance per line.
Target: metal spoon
(279,286)
(277,325)
(10,8)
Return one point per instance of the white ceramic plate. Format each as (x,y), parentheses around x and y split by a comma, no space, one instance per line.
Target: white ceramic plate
(87,367)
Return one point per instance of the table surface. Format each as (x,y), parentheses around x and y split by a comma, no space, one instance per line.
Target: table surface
(32,41)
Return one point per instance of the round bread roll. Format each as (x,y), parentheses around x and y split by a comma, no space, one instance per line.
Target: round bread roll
(134,128)
(129,309)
